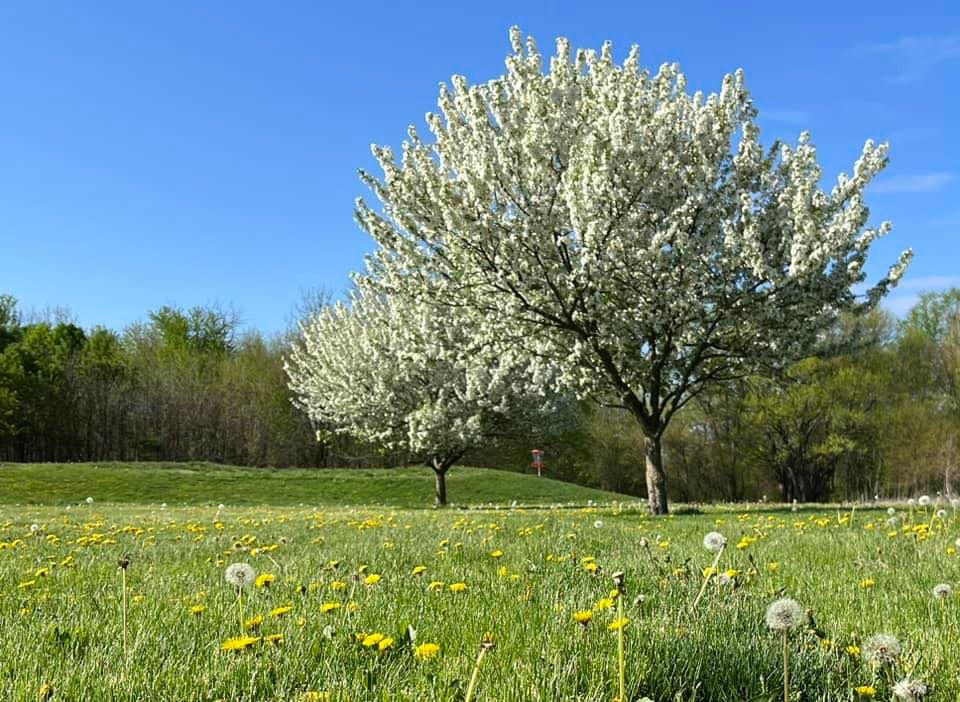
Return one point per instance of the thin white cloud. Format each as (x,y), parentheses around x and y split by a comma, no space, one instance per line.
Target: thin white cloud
(916,183)
(914,57)
(899,305)
(930,282)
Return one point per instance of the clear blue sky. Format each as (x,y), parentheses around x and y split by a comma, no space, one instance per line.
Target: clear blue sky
(190,153)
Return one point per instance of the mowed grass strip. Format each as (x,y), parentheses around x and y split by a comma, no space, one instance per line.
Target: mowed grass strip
(210,483)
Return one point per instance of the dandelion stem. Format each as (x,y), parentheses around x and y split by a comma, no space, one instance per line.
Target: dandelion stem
(240,603)
(123,589)
(475,677)
(620,657)
(706,579)
(786,668)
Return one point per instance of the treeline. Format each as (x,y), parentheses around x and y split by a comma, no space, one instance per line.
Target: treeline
(182,385)
(878,413)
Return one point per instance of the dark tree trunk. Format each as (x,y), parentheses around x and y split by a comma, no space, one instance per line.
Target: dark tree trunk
(440,480)
(656,478)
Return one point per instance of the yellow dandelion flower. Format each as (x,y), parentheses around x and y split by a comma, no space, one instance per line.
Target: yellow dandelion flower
(371,640)
(337,585)
(605,603)
(313,696)
(45,692)
(591,567)
(239,643)
(853,651)
(866,691)
(328,607)
(253,622)
(583,616)
(197,610)
(503,572)
(458,587)
(265,580)
(426,651)
(372,579)
(867,583)
(418,570)
(618,624)
(435,586)
(280,611)
(773,566)
(385,643)
(275,639)
(496,554)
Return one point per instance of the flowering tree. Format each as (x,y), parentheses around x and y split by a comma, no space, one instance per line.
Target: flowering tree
(634,235)
(400,375)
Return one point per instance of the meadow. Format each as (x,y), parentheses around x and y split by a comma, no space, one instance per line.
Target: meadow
(384,603)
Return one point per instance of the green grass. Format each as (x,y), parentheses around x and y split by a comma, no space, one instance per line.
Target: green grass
(60,603)
(206,483)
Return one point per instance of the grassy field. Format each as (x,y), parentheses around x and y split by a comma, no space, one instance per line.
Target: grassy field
(341,578)
(208,483)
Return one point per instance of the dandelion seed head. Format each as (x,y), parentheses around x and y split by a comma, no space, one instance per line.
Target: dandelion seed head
(714,541)
(598,524)
(89,500)
(942,591)
(784,614)
(924,500)
(891,511)
(34,528)
(910,690)
(240,574)
(881,648)
(941,514)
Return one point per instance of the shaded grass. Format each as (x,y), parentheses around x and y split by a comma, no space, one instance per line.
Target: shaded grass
(208,483)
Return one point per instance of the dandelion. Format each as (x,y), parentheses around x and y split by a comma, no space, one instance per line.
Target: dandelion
(265,580)
(783,615)
(941,514)
(714,541)
(426,651)
(891,511)
(598,524)
(942,591)
(910,690)
(924,500)
(372,579)
(486,644)
(618,624)
(418,570)
(867,583)
(239,643)
(89,500)
(866,691)
(240,575)
(274,639)
(370,640)
(280,611)
(883,649)
(328,607)
(253,622)
(583,616)
(458,587)
(197,610)
(45,692)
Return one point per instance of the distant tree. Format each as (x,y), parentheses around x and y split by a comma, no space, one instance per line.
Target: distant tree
(403,376)
(634,236)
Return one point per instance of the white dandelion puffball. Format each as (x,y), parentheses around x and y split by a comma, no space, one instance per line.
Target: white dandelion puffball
(34,528)
(892,522)
(957,543)
(911,502)
(240,574)
(221,507)
(881,648)
(784,614)
(598,524)
(910,690)
(89,500)
(924,500)
(714,541)
(891,511)
(941,514)
(723,579)
(942,591)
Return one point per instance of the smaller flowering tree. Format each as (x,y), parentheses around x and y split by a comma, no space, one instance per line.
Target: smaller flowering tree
(411,377)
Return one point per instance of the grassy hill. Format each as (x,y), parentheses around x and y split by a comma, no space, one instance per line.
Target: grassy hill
(199,483)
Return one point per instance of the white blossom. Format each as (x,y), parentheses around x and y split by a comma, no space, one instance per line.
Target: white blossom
(882,648)
(910,690)
(714,541)
(784,614)
(639,239)
(240,575)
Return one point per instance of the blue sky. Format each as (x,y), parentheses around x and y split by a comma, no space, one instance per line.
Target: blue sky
(197,153)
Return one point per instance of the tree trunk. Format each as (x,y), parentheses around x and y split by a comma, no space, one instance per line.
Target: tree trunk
(440,480)
(656,478)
